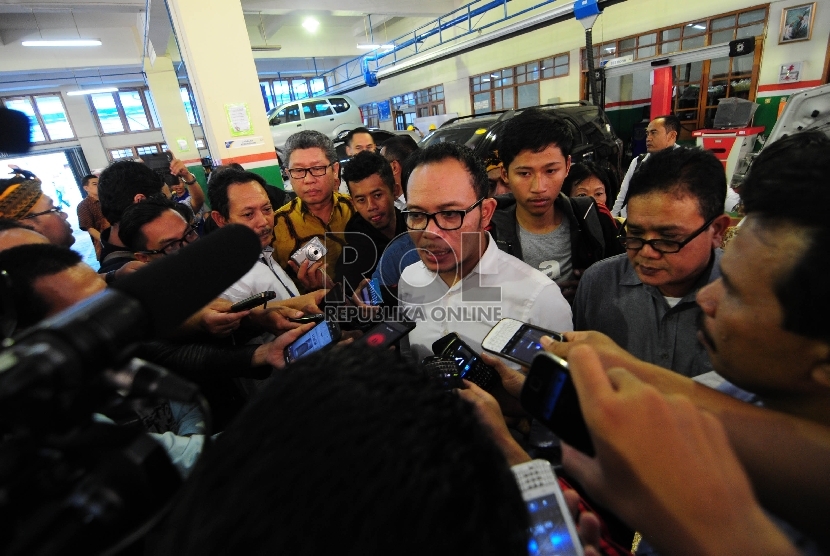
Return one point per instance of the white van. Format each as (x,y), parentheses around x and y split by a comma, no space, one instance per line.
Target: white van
(328,115)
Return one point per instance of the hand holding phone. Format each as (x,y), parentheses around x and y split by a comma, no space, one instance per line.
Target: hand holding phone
(549,395)
(517,341)
(322,335)
(468,362)
(254,301)
(384,334)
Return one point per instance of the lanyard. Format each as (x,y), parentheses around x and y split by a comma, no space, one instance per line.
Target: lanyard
(264,261)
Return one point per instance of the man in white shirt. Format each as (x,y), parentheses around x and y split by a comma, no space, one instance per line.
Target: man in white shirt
(464,283)
(661,133)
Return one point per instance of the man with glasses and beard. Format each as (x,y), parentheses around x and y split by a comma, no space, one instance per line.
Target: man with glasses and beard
(645,300)
(463,282)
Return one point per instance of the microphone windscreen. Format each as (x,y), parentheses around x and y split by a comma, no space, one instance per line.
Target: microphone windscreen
(15,136)
(177,285)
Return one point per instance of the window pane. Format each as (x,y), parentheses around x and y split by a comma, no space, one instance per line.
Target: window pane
(692,29)
(318,85)
(282,92)
(694,42)
(528,95)
(670,34)
(723,23)
(24,105)
(646,52)
(719,68)
(547,68)
(687,73)
(121,153)
(54,117)
(267,94)
(669,47)
(292,113)
(107,111)
(507,98)
(300,88)
(628,44)
(721,37)
(188,106)
(751,17)
(742,64)
(147,149)
(481,103)
(200,143)
(751,31)
(134,110)
(646,40)
(560,70)
(340,105)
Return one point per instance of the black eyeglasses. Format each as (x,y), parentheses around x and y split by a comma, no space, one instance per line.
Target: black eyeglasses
(35,215)
(189,237)
(316,171)
(662,245)
(445,219)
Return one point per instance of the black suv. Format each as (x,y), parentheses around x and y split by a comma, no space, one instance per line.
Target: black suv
(594,140)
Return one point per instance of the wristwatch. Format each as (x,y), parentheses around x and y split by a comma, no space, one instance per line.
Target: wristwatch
(191,182)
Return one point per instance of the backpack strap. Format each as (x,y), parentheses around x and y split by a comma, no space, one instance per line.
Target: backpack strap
(590,228)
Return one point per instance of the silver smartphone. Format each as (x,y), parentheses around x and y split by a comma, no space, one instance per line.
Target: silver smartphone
(552,529)
(516,340)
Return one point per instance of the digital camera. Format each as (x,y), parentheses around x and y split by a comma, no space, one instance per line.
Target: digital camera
(312,251)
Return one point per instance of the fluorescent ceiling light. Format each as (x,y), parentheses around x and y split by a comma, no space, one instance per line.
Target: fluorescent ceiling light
(267,48)
(70,42)
(368,46)
(311,24)
(92,91)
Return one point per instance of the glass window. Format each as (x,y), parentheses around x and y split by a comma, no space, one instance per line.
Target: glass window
(107,111)
(282,92)
(720,37)
(694,42)
(300,88)
(481,103)
(318,86)
(742,64)
(670,34)
(646,52)
(528,95)
(147,149)
(25,105)
(752,17)
(267,94)
(669,47)
(727,22)
(121,153)
(188,105)
(646,40)
(562,64)
(53,116)
(316,109)
(628,44)
(340,105)
(134,110)
(751,31)
(200,143)
(292,113)
(719,68)
(694,29)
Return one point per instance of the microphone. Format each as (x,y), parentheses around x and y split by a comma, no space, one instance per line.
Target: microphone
(64,351)
(14,131)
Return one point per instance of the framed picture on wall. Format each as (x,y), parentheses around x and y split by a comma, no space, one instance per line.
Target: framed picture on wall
(797,23)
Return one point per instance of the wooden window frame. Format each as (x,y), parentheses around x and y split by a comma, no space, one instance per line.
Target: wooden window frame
(44,130)
(514,80)
(122,114)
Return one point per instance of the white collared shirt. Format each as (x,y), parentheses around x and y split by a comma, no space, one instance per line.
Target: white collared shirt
(500,286)
(265,275)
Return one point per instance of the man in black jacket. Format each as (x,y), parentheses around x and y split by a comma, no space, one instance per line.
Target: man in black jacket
(558,235)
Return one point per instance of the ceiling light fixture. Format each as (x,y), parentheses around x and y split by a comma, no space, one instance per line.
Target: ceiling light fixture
(311,24)
(92,91)
(70,42)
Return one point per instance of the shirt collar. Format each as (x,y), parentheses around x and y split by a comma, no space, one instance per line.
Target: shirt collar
(712,273)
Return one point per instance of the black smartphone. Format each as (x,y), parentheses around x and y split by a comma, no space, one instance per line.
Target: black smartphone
(442,371)
(322,335)
(468,362)
(371,293)
(550,396)
(384,334)
(254,301)
(305,319)
(160,164)
(516,340)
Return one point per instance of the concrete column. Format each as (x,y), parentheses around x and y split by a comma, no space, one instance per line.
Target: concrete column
(86,130)
(213,42)
(178,134)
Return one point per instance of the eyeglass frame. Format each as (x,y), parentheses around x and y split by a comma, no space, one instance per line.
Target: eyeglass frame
(310,170)
(56,210)
(432,216)
(182,241)
(650,242)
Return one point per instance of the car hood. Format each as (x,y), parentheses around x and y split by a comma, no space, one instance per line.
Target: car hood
(808,110)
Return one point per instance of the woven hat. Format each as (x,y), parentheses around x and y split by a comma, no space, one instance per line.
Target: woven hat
(18,195)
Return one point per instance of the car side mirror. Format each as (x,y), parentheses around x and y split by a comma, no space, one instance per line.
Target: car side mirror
(276,121)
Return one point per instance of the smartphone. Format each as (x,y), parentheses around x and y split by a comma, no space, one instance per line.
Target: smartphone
(552,529)
(385,334)
(516,340)
(254,301)
(468,362)
(442,371)
(160,164)
(305,319)
(549,395)
(322,335)
(371,293)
